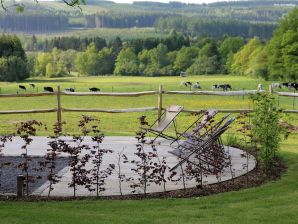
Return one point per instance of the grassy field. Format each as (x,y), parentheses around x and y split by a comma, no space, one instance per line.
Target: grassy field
(124,124)
(107,33)
(274,202)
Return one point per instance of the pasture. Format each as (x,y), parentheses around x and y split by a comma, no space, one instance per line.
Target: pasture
(126,123)
(274,202)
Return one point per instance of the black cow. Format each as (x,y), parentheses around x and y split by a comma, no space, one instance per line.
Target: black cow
(290,85)
(48,89)
(224,87)
(70,89)
(94,89)
(32,85)
(22,87)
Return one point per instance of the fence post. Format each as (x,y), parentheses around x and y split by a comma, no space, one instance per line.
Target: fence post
(20,186)
(270,89)
(59,109)
(159,102)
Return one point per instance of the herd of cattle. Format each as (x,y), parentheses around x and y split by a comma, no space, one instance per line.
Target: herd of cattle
(50,89)
(192,85)
(226,87)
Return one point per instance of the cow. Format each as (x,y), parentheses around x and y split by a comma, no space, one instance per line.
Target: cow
(32,85)
(22,87)
(70,89)
(48,89)
(94,89)
(290,85)
(224,87)
(196,85)
(260,87)
(276,85)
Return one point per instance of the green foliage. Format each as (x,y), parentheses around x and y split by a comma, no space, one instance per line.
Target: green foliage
(12,69)
(265,127)
(126,63)
(13,62)
(56,63)
(185,57)
(204,65)
(244,58)
(282,49)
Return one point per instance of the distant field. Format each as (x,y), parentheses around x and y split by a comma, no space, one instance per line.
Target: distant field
(125,124)
(107,33)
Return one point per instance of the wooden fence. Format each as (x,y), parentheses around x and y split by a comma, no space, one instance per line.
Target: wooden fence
(160,92)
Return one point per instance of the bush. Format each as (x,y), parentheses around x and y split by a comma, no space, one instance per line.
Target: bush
(265,127)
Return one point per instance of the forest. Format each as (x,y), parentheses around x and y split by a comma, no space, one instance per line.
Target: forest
(250,18)
(272,59)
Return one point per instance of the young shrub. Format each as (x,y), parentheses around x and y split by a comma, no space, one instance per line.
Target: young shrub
(144,166)
(99,175)
(52,155)
(265,128)
(121,159)
(25,130)
(79,156)
(160,169)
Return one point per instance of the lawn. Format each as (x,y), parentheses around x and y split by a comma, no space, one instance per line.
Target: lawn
(274,202)
(124,124)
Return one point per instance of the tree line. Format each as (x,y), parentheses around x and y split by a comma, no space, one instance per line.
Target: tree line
(216,27)
(274,59)
(33,22)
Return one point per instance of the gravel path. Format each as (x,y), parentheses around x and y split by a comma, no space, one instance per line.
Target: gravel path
(9,173)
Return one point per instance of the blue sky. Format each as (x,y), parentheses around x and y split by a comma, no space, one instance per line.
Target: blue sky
(186,1)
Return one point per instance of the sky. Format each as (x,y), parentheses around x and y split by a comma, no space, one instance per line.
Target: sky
(166,1)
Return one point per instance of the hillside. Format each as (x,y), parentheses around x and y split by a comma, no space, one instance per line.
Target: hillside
(247,18)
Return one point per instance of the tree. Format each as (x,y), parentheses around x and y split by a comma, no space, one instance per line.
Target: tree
(282,49)
(185,57)
(13,68)
(126,63)
(88,61)
(242,57)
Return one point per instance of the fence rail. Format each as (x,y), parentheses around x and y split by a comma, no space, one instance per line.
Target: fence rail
(160,92)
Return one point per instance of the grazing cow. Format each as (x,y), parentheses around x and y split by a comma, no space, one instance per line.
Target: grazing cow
(260,87)
(70,89)
(94,89)
(224,87)
(196,85)
(48,89)
(183,84)
(22,87)
(32,85)
(290,85)
(294,85)
(276,85)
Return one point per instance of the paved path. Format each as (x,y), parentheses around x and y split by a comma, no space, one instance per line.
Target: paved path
(127,144)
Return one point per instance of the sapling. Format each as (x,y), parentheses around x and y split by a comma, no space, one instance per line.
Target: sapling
(25,130)
(52,154)
(99,175)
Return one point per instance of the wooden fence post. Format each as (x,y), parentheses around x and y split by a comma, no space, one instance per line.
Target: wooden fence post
(59,109)
(270,89)
(20,186)
(159,102)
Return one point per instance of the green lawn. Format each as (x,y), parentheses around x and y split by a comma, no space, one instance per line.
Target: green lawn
(124,124)
(274,202)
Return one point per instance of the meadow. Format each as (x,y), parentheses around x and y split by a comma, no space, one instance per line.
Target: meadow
(126,123)
(273,202)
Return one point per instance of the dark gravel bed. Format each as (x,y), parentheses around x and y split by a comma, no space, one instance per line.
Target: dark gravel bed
(9,173)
